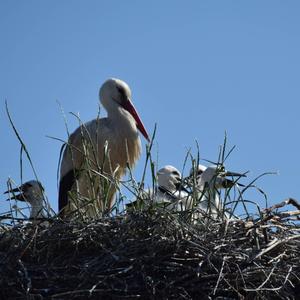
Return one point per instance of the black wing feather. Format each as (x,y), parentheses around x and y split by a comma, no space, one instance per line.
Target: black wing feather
(65,186)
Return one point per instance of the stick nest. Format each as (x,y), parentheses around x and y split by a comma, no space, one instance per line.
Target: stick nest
(153,254)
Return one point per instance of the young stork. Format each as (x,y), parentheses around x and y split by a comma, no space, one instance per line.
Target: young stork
(169,186)
(169,191)
(32,193)
(113,143)
(209,180)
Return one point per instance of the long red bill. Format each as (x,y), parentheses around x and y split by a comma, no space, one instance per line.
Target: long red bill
(139,124)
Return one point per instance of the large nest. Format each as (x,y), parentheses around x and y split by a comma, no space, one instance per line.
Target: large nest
(153,254)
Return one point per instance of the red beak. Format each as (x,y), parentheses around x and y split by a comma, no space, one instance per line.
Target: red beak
(139,124)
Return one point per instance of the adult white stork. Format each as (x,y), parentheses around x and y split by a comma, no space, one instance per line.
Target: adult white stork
(107,144)
(31,192)
(209,181)
(169,190)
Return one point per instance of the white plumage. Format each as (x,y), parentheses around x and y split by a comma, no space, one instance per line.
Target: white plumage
(103,145)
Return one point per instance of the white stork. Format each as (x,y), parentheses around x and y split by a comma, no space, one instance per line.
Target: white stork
(169,190)
(170,187)
(31,192)
(108,144)
(209,180)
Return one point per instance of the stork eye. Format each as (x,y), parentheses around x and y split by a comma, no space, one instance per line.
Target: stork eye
(175,173)
(121,90)
(199,172)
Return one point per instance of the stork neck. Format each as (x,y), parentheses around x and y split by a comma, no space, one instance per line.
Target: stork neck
(123,119)
(36,210)
(167,192)
(117,112)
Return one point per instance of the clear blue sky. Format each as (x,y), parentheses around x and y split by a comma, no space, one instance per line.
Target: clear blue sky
(196,68)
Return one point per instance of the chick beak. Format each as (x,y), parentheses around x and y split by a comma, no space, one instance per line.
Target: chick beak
(228,183)
(233,174)
(20,196)
(180,185)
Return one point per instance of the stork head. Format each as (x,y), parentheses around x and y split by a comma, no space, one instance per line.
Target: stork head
(31,192)
(169,178)
(116,93)
(199,170)
(216,176)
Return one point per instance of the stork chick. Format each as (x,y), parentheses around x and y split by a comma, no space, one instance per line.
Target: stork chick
(106,144)
(169,191)
(32,193)
(170,187)
(209,180)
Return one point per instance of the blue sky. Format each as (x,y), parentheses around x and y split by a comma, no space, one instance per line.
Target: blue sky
(196,68)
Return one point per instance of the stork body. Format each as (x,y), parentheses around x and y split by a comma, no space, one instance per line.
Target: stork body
(31,192)
(103,145)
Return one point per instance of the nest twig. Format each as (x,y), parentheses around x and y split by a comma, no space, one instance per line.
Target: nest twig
(152,254)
